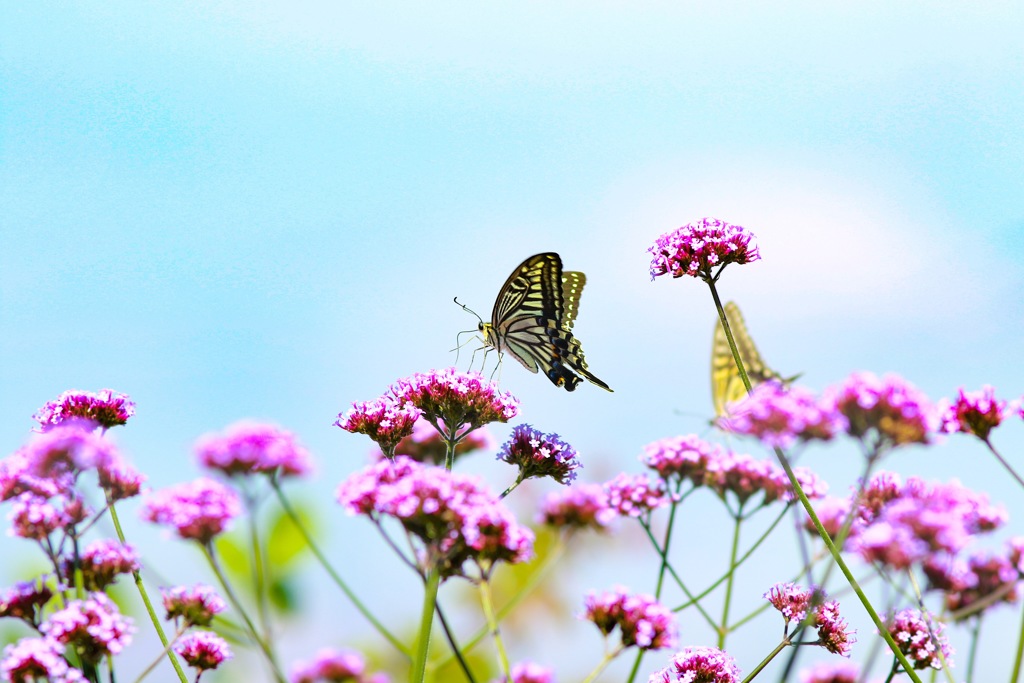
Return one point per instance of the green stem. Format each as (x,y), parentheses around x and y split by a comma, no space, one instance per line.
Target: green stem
(456,650)
(419,667)
(259,572)
(679,581)
(1015,676)
(605,661)
(149,669)
(487,602)
(233,599)
(338,581)
(798,489)
(975,633)
(723,629)
(766,660)
(140,586)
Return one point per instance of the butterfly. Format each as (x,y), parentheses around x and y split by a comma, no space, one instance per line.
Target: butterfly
(726,383)
(533,317)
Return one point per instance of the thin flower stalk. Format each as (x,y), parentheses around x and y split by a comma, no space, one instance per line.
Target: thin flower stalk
(487,602)
(723,627)
(419,667)
(1003,462)
(1018,656)
(679,581)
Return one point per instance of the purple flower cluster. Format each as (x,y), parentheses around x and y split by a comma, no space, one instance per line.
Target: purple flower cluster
(973,412)
(781,416)
(334,666)
(635,495)
(203,650)
(680,458)
(831,672)
(699,665)
(696,248)
(248,447)
(583,506)
(975,581)
(791,600)
(890,407)
(641,619)
(386,420)
(94,628)
(456,516)
(537,454)
(198,510)
(528,672)
(426,445)
(920,639)
(195,606)
(794,602)
(32,659)
(101,562)
(24,601)
(107,409)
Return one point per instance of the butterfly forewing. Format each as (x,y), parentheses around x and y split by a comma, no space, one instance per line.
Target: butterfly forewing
(726,383)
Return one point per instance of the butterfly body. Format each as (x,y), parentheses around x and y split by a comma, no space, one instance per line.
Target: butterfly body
(726,383)
(532,321)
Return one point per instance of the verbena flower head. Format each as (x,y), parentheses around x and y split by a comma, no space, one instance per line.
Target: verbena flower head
(528,672)
(890,408)
(681,458)
(101,562)
(583,506)
(194,606)
(24,600)
(119,480)
(32,659)
(833,632)
(745,476)
(94,628)
(791,600)
(456,516)
(334,666)
(920,639)
(386,420)
(636,495)
(462,401)
(780,416)
(249,447)
(198,510)
(974,412)
(106,408)
(697,248)
(642,621)
(699,665)
(984,576)
(831,672)
(426,445)
(35,518)
(203,650)
(51,462)
(537,454)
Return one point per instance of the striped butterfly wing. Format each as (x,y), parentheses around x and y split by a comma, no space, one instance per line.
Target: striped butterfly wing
(532,320)
(726,383)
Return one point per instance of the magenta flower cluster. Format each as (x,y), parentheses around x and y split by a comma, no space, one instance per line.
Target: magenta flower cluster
(696,248)
(197,510)
(537,454)
(642,621)
(974,412)
(94,628)
(192,606)
(983,580)
(831,672)
(248,447)
(32,659)
(699,665)
(24,600)
(920,639)
(106,408)
(781,416)
(386,420)
(794,603)
(203,650)
(101,562)
(334,665)
(890,408)
(456,517)
(528,672)
(583,506)
(635,495)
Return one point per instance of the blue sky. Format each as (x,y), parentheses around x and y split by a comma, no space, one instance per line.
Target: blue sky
(263,210)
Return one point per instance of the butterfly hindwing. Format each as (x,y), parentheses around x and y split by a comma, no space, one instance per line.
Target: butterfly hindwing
(532,320)
(726,383)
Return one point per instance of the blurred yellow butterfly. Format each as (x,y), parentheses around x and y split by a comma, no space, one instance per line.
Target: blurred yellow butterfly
(533,317)
(726,383)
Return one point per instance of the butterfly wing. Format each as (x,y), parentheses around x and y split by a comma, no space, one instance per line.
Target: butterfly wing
(532,320)
(726,383)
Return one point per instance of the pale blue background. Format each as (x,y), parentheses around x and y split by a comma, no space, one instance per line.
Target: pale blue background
(240,209)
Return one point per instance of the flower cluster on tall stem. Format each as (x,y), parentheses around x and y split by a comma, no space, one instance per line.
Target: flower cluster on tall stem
(249,447)
(537,454)
(696,249)
(890,409)
(106,408)
(642,621)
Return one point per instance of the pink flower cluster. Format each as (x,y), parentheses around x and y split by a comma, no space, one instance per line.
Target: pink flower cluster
(537,454)
(974,412)
(248,447)
(528,672)
(456,516)
(334,665)
(794,602)
(107,409)
(696,248)
(24,601)
(831,672)
(920,639)
(889,407)
(198,510)
(635,495)
(203,650)
(976,581)
(101,562)
(699,665)
(642,621)
(781,416)
(583,506)
(195,606)
(386,420)
(32,659)
(94,628)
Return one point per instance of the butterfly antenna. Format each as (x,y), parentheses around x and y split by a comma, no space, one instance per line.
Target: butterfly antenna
(467,309)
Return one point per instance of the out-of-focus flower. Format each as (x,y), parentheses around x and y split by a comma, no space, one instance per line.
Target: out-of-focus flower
(94,628)
(681,458)
(203,650)
(194,606)
(973,412)
(426,445)
(583,506)
(832,512)
(920,639)
(699,665)
(248,447)
(831,672)
(890,407)
(641,619)
(697,248)
(386,420)
(791,600)
(636,495)
(36,518)
(24,600)
(101,562)
(528,672)
(51,462)
(455,515)
(781,416)
(119,479)
(334,666)
(745,476)
(198,510)
(537,454)
(106,408)
(981,577)
(32,659)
